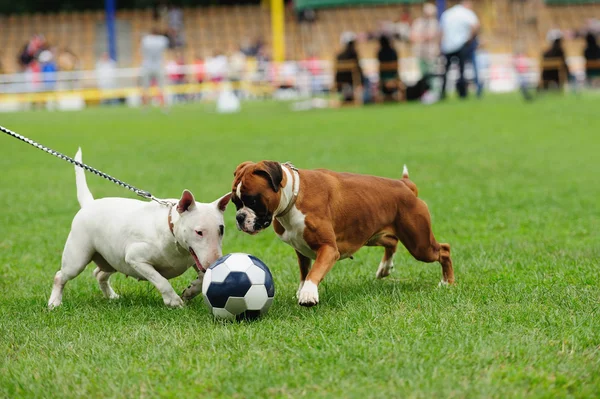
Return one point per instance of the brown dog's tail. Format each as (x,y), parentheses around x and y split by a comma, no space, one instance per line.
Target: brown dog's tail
(408,182)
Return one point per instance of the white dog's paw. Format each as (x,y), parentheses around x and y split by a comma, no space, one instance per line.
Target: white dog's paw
(299,289)
(113,295)
(443,283)
(173,301)
(309,294)
(54,304)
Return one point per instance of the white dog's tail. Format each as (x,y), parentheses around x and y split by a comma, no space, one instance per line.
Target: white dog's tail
(405,172)
(84,196)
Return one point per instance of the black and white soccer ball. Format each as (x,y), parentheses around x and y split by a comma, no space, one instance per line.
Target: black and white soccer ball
(238,286)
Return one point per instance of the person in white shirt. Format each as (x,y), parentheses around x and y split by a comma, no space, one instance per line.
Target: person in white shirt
(459,26)
(106,74)
(154,46)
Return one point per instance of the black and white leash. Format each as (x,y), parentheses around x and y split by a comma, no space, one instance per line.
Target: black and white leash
(141,193)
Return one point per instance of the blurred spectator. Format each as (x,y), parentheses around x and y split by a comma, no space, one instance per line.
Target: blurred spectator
(459,27)
(153,47)
(216,67)
(199,68)
(521,64)
(388,80)
(313,65)
(175,17)
(175,26)
(263,63)
(252,49)
(551,77)
(308,15)
(425,36)
(159,10)
(31,50)
(48,69)
(106,74)
(237,69)
(344,80)
(592,53)
(402,25)
(480,61)
(106,69)
(176,73)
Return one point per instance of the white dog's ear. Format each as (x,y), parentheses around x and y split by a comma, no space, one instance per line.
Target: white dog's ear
(186,202)
(222,202)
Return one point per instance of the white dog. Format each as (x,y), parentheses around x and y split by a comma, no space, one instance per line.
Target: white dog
(145,240)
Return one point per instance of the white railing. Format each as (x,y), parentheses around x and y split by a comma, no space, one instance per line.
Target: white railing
(498,74)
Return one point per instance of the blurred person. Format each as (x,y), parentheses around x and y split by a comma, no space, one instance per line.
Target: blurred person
(176,72)
(388,80)
(199,68)
(175,17)
(106,74)
(402,25)
(30,51)
(522,69)
(313,65)
(591,53)
(237,69)
(263,66)
(551,77)
(153,48)
(344,80)
(159,10)
(425,36)
(216,67)
(459,27)
(480,60)
(48,70)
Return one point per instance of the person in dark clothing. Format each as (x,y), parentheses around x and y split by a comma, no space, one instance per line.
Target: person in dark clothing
(552,76)
(388,79)
(591,53)
(344,80)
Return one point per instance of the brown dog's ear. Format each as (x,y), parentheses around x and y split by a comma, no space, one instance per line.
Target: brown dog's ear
(241,167)
(223,201)
(186,202)
(272,171)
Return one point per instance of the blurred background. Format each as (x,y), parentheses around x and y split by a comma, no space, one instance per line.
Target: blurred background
(78,53)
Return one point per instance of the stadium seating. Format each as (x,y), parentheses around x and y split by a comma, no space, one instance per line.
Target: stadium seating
(223,28)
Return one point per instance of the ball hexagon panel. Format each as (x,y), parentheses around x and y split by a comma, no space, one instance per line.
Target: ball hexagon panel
(256,275)
(236,284)
(219,273)
(268,277)
(236,305)
(256,297)
(238,262)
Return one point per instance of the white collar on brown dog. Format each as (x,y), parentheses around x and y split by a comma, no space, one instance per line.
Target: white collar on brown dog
(290,192)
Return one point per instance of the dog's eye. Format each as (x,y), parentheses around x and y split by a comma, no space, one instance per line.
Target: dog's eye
(199,233)
(221,229)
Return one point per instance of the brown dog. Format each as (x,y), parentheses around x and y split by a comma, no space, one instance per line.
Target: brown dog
(327,216)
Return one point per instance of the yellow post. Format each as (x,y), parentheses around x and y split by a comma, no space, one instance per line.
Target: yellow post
(278,30)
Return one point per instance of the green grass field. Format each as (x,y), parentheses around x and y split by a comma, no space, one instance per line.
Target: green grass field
(513,187)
